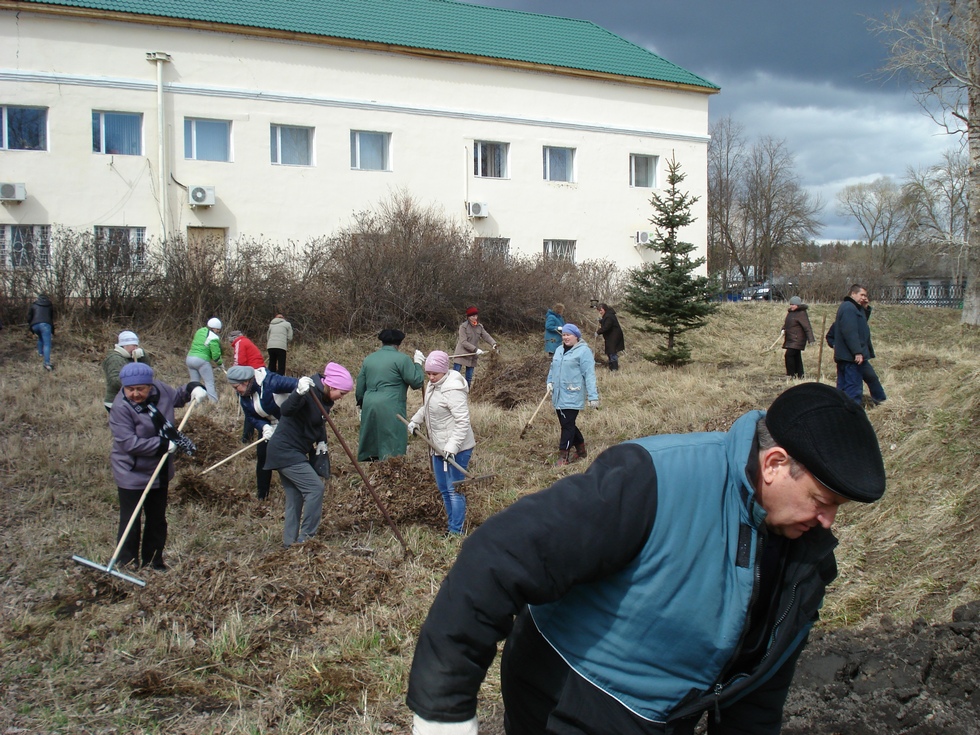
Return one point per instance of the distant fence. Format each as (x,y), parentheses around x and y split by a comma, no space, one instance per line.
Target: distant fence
(949,295)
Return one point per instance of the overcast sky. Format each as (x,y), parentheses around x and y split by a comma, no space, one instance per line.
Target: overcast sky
(800,70)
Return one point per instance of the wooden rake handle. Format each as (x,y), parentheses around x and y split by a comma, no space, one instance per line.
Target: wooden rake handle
(232,456)
(531,420)
(438,451)
(367,483)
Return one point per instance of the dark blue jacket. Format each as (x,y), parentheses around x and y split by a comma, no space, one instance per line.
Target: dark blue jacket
(262,391)
(852,335)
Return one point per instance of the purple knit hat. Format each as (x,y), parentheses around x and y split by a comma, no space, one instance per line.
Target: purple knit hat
(437,362)
(336,376)
(136,373)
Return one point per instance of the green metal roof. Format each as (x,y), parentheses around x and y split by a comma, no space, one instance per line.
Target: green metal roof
(436,25)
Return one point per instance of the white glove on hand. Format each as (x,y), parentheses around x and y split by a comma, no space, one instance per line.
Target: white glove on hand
(305,383)
(495,348)
(419,358)
(412,427)
(551,387)
(171,448)
(480,352)
(594,404)
(267,431)
(427,727)
(321,447)
(138,353)
(199,395)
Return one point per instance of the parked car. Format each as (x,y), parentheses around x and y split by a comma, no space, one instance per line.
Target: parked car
(763,292)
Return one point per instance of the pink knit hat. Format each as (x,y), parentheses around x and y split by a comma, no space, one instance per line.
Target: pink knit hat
(336,376)
(437,362)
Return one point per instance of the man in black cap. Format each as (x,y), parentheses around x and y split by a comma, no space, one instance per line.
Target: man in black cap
(678,575)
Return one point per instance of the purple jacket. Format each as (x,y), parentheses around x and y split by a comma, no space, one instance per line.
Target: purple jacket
(136,446)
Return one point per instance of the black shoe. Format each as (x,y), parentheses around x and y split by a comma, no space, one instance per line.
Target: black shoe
(159,566)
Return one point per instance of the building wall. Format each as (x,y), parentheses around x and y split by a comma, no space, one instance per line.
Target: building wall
(433,109)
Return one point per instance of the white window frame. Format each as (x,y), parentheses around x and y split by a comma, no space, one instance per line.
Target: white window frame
(481,150)
(190,139)
(549,175)
(5,128)
(40,234)
(493,247)
(356,160)
(654,162)
(275,144)
(560,250)
(101,115)
(134,242)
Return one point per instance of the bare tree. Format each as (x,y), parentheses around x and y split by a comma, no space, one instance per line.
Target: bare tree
(883,211)
(727,233)
(938,50)
(938,197)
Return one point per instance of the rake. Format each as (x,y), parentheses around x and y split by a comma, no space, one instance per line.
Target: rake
(479,480)
(531,420)
(108,568)
(232,456)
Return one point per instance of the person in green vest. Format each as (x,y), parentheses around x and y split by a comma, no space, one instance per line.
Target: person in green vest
(127,350)
(382,385)
(205,349)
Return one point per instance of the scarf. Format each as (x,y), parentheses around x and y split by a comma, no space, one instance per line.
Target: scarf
(165,430)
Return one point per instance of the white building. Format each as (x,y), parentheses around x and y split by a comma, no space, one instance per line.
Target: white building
(278,119)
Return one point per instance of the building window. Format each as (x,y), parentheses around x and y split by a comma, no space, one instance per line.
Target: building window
(24,128)
(369,151)
(25,246)
(291,146)
(559,164)
(493,247)
(118,133)
(643,171)
(120,248)
(490,159)
(207,140)
(559,250)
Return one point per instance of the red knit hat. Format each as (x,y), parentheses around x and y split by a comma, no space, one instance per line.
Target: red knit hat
(472,311)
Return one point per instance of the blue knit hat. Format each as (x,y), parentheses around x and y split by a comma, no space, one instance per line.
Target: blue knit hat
(136,373)
(572,329)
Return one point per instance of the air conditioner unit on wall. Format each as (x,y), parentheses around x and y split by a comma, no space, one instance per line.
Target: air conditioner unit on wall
(200,196)
(644,238)
(477,209)
(10,192)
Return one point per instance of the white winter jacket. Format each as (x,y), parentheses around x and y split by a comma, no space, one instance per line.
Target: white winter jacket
(446,412)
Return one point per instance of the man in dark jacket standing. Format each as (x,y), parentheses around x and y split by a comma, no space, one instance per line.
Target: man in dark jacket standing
(40,320)
(853,349)
(679,575)
(612,333)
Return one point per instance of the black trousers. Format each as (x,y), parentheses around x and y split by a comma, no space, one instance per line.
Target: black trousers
(154,514)
(263,477)
(570,435)
(794,362)
(277,360)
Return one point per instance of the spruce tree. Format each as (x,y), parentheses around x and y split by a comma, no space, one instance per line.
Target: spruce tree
(666,293)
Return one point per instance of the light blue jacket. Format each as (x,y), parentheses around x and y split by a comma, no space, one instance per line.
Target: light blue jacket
(572,376)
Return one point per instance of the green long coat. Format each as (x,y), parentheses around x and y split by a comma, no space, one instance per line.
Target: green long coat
(382,385)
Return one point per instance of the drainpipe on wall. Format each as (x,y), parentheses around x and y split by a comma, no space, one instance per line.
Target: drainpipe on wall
(160,58)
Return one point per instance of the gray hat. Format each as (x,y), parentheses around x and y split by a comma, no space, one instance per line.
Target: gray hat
(795,301)
(240,374)
(830,435)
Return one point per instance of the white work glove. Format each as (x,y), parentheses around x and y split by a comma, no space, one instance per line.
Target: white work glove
(305,383)
(267,431)
(495,348)
(199,395)
(427,727)
(321,447)
(138,353)
(551,387)
(594,404)
(419,358)
(412,427)
(480,352)
(171,448)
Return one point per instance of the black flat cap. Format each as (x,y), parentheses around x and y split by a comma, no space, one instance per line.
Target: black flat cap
(830,435)
(391,336)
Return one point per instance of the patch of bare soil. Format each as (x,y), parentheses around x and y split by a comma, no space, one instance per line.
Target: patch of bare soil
(916,679)
(507,383)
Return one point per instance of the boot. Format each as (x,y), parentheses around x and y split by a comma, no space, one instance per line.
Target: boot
(580,452)
(562,458)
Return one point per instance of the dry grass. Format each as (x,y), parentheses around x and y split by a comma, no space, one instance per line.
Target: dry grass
(242,636)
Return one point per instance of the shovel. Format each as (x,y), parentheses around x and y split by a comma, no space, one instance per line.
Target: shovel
(469,477)
(133,518)
(367,483)
(531,420)
(232,456)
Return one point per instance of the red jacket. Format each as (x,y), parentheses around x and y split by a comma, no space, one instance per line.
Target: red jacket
(246,353)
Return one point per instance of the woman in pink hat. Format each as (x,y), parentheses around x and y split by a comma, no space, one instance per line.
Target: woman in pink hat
(298,450)
(446,413)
